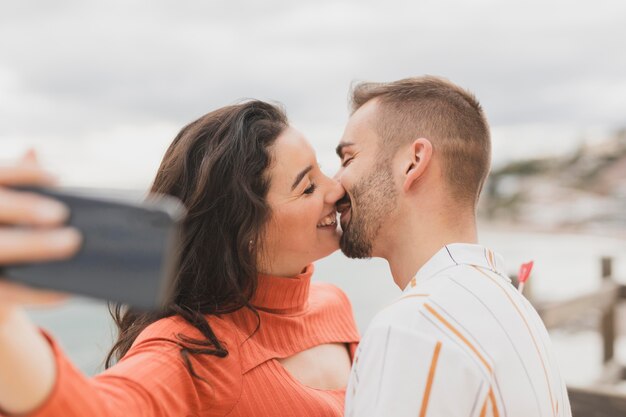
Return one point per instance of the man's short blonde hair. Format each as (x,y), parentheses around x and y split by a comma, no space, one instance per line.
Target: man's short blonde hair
(442,112)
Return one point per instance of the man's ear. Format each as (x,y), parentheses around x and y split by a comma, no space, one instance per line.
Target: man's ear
(420,153)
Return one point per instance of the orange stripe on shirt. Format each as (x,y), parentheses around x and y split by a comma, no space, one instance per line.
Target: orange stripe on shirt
(532,336)
(429,382)
(405,297)
(459,335)
(492,262)
(413,295)
(494,406)
(483,411)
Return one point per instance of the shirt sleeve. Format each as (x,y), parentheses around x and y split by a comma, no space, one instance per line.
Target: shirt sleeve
(402,372)
(152,380)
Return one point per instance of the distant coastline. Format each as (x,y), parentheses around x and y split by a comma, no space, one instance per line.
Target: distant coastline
(579,192)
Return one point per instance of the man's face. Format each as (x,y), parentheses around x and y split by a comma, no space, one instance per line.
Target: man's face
(366,175)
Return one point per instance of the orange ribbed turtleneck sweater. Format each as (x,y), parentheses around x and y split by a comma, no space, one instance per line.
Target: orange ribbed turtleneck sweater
(152,379)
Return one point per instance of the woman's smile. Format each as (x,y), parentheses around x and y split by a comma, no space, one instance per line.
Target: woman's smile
(329,221)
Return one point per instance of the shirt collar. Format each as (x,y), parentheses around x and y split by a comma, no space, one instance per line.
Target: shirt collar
(460,254)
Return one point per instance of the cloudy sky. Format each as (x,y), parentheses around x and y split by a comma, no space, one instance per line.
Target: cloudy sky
(101,88)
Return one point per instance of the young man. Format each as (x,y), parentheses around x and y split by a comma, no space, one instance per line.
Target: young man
(460,341)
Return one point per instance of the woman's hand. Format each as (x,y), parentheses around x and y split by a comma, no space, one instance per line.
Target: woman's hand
(42,236)
(27,362)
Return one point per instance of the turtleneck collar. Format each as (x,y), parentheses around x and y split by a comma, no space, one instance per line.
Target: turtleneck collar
(283,295)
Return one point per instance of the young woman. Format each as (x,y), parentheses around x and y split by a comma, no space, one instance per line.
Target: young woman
(247,334)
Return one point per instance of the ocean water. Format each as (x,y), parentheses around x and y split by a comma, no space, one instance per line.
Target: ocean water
(565,265)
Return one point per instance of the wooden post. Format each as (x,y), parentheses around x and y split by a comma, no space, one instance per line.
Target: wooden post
(597,402)
(528,287)
(608,318)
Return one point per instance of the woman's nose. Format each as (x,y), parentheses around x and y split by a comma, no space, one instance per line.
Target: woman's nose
(335,191)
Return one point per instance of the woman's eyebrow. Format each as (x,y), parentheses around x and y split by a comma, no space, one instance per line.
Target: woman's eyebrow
(300,176)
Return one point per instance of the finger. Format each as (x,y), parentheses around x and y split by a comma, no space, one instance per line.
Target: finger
(25,174)
(30,158)
(30,208)
(20,245)
(18,294)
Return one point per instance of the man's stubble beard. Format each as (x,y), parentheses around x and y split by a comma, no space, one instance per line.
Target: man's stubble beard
(375,198)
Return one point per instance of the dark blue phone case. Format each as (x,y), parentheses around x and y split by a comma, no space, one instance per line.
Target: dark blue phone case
(129,252)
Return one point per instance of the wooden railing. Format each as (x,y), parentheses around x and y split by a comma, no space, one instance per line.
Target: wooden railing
(600,399)
(597,402)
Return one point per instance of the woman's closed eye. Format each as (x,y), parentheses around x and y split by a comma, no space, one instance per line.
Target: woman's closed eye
(310,189)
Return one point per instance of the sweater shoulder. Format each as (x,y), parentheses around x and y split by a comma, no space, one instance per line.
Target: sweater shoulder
(217,378)
(324,295)
(329,294)
(174,328)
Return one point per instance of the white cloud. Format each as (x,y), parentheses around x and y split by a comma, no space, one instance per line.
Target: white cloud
(75,72)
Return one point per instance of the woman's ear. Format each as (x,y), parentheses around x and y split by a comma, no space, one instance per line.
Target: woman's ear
(420,153)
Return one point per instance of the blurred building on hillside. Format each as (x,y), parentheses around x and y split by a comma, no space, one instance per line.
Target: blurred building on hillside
(583,191)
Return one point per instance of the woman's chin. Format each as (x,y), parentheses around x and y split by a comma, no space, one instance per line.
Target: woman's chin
(325,254)
(328,246)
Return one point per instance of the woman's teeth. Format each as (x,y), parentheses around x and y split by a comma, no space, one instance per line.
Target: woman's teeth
(330,220)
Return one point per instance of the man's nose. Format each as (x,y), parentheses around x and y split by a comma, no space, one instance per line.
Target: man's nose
(337,176)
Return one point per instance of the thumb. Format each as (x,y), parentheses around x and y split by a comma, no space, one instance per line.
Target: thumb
(30,158)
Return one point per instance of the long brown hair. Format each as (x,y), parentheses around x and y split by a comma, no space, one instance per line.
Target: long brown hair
(217,167)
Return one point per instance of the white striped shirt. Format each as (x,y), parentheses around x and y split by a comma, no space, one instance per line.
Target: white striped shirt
(460,341)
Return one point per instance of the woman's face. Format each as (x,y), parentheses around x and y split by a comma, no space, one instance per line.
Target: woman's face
(303,223)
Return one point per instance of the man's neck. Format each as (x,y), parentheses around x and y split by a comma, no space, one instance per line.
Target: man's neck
(417,240)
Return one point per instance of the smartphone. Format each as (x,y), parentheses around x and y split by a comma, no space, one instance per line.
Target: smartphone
(129,252)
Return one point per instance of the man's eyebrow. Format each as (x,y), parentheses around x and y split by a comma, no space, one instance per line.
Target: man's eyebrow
(340,147)
(300,176)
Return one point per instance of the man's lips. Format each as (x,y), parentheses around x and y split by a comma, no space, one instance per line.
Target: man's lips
(344,206)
